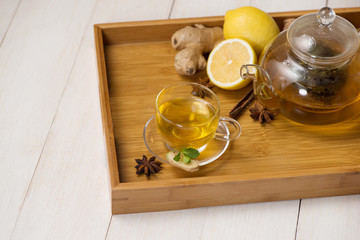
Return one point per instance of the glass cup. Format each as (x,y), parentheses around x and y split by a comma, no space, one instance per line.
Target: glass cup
(188,116)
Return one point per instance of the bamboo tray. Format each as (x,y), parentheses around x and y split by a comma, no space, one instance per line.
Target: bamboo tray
(277,161)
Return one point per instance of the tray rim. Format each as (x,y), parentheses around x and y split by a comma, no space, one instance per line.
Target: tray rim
(109,25)
(118,188)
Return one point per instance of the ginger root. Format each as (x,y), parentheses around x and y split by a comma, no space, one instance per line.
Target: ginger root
(193,166)
(192,43)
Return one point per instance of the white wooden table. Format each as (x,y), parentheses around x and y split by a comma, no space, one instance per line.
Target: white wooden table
(53,180)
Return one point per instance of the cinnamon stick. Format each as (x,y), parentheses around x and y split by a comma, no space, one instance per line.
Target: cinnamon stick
(242,104)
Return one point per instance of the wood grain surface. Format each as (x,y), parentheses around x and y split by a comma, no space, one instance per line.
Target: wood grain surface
(7,12)
(71,181)
(283,151)
(53,178)
(37,71)
(279,146)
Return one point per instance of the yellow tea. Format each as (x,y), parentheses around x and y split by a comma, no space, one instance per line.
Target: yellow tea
(187,122)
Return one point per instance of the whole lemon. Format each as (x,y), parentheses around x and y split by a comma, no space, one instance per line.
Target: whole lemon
(251,24)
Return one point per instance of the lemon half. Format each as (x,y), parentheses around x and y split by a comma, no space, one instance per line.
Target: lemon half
(225,61)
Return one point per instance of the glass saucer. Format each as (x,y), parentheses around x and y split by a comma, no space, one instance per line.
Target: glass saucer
(153,141)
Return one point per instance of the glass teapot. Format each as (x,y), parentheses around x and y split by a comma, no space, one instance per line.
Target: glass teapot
(311,72)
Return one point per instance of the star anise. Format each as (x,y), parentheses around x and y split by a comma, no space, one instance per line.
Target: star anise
(262,114)
(198,91)
(147,166)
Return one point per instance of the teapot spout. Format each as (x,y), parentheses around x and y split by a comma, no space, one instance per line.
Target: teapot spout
(262,85)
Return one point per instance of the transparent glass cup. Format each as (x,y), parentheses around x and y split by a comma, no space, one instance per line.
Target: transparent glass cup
(188,115)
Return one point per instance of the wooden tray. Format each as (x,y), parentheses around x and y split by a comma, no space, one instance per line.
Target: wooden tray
(278,161)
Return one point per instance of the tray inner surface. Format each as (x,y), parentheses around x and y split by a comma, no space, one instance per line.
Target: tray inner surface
(137,71)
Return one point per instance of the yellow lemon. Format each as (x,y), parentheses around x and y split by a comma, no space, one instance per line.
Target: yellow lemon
(251,24)
(225,61)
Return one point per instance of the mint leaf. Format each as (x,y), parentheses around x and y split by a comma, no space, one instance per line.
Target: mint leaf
(177,157)
(190,152)
(186,159)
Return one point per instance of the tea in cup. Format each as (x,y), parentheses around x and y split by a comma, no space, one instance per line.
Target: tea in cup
(185,120)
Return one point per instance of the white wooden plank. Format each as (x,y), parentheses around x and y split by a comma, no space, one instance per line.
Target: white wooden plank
(335,217)
(343,4)
(35,58)
(131,10)
(174,225)
(50,210)
(273,220)
(69,194)
(290,5)
(7,11)
(204,8)
(330,218)
(268,221)
(189,8)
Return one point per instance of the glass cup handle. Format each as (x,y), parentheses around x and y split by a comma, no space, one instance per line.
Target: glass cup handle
(230,134)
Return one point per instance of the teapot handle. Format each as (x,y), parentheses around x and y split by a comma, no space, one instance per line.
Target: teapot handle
(263,88)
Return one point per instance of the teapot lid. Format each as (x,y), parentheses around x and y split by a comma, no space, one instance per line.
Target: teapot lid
(323,38)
